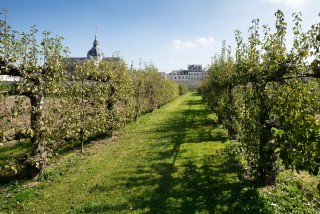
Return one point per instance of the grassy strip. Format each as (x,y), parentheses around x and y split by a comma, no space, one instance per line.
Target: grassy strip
(170,161)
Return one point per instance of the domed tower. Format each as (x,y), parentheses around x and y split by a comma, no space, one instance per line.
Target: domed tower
(95,52)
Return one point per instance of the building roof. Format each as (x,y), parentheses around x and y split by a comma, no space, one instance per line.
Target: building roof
(95,52)
(195,68)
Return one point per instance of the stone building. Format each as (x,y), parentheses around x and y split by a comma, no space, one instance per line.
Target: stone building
(194,73)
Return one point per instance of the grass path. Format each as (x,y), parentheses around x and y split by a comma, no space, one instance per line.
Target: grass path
(167,162)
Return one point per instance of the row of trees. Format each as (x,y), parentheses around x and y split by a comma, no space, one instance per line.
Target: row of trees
(267,96)
(50,106)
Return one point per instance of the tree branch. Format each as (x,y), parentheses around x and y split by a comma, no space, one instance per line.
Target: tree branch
(8,69)
(277,76)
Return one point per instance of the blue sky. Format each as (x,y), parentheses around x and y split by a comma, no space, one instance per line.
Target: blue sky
(170,33)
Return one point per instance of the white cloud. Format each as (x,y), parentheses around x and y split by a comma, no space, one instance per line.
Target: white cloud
(205,41)
(292,3)
(178,44)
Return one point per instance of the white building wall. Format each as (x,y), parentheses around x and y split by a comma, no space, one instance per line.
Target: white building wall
(194,73)
(8,78)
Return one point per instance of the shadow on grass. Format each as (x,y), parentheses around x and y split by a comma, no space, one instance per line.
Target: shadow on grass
(16,154)
(173,184)
(13,156)
(75,144)
(14,151)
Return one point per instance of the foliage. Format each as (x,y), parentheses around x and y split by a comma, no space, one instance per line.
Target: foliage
(151,89)
(38,64)
(53,107)
(274,102)
(96,100)
(183,89)
(218,89)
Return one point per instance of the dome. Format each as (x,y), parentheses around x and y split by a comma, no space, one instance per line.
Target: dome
(95,52)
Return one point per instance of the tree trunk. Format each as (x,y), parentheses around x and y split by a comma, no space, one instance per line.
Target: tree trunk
(267,164)
(232,133)
(82,115)
(138,95)
(152,98)
(220,119)
(110,106)
(36,163)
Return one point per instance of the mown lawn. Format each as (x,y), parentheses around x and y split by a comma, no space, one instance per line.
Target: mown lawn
(170,161)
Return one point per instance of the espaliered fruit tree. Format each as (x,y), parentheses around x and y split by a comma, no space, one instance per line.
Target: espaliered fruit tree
(268,97)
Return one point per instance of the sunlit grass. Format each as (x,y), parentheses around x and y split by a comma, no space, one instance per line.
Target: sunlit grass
(167,162)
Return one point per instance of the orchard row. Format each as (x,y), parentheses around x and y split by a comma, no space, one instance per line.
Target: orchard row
(267,95)
(52,107)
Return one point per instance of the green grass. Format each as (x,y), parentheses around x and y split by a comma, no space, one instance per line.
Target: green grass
(293,195)
(5,86)
(167,162)
(10,155)
(13,151)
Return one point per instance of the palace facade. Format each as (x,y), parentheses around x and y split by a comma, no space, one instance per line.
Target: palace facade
(194,73)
